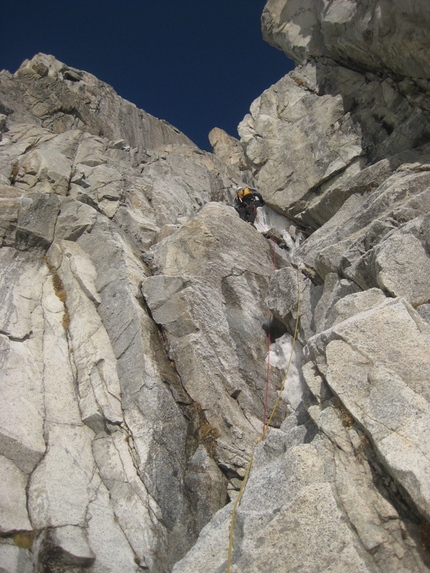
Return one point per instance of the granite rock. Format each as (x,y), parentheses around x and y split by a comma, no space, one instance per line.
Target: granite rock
(133,299)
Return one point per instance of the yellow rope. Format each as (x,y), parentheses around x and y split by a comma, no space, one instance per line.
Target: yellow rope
(236,503)
(248,469)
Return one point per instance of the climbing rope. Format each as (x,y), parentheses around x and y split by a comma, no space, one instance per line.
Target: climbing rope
(265,428)
(266,398)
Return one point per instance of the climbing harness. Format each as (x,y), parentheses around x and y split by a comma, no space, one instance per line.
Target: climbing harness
(265,428)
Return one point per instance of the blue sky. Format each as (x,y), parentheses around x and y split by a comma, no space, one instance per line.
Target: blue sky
(198,64)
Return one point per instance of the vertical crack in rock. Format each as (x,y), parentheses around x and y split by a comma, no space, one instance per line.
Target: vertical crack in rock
(126,337)
(410,524)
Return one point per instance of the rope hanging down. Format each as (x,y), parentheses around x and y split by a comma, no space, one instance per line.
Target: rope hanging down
(248,469)
(266,398)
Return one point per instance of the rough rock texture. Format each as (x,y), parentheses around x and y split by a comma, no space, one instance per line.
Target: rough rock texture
(133,299)
(308,137)
(379,35)
(107,462)
(206,294)
(341,147)
(227,148)
(63,99)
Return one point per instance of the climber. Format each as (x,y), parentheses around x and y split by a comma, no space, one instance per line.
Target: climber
(246,203)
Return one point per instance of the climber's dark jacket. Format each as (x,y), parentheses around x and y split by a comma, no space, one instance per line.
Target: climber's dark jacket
(246,203)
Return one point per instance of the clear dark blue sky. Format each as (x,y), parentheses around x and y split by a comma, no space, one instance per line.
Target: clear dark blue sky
(198,64)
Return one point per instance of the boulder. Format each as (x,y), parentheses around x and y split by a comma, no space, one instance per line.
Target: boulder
(309,136)
(290,113)
(402,266)
(37,216)
(366,223)
(48,170)
(227,148)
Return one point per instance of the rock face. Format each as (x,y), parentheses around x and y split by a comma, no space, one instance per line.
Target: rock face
(341,147)
(109,461)
(352,101)
(376,35)
(228,149)
(133,358)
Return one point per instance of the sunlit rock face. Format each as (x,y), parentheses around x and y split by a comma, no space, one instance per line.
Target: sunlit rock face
(309,134)
(359,95)
(227,148)
(341,147)
(112,456)
(136,307)
(55,96)
(379,35)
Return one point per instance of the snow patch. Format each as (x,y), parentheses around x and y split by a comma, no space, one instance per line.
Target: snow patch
(268,218)
(280,352)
